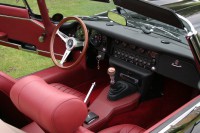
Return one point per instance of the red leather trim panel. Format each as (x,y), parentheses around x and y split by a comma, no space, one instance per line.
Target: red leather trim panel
(6,82)
(171,115)
(3,36)
(105,108)
(14,11)
(124,128)
(24,30)
(52,109)
(18,26)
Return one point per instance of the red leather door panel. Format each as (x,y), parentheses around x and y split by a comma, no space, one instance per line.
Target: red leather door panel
(15,24)
(14,11)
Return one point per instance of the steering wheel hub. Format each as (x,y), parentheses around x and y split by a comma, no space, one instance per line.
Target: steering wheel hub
(71,42)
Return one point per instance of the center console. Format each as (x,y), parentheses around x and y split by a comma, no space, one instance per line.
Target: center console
(105,108)
(131,75)
(134,65)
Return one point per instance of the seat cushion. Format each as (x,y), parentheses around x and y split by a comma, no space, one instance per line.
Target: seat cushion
(68,90)
(124,128)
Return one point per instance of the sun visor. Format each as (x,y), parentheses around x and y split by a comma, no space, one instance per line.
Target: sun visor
(153,11)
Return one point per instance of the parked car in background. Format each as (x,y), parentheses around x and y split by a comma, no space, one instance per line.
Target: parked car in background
(131,68)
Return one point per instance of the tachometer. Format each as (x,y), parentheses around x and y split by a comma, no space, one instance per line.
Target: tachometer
(95,38)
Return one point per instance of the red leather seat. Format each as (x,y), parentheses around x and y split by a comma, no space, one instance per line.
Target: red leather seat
(53,110)
(7,82)
(68,90)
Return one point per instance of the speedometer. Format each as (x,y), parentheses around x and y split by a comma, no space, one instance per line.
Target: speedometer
(79,34)
(95,38)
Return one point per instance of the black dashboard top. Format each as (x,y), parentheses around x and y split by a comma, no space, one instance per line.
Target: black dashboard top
(137,37)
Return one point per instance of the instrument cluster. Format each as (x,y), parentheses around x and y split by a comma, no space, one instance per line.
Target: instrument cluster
(97,39)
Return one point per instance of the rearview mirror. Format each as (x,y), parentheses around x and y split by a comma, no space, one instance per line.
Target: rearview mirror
(57,17)
(117,18)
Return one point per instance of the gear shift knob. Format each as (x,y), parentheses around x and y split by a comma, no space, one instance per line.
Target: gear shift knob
(111,73)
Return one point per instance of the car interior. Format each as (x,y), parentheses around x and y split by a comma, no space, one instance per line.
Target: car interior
(115,78)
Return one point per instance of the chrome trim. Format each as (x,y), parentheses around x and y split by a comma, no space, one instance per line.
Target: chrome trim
(26,19)
(189,24)
(14,44)
(48,52)
(9,43)
(179,118)
(32,51)
(175,65)
(193,40)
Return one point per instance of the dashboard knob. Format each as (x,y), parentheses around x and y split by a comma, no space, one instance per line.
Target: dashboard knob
(153,68)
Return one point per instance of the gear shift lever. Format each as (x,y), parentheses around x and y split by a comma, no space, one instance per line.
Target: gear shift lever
(119,89)
(111,73)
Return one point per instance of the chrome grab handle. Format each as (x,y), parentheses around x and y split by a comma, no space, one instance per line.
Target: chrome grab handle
(175,65)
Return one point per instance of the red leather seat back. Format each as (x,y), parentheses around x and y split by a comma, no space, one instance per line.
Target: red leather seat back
(53,110)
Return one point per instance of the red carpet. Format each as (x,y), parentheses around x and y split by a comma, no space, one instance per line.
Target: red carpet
(151,111)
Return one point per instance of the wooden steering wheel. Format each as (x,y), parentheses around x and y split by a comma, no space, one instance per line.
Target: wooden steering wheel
(70,43)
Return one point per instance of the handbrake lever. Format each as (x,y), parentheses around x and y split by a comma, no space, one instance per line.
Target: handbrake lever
(89,92)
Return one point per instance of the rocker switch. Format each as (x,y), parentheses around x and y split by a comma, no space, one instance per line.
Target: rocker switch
(91,117)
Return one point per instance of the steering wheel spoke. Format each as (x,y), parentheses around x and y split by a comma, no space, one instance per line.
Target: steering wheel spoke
(66,54)
(79,43)
(62,35)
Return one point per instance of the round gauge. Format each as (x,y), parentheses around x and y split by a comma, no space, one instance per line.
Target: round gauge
(124,44)
(153,54)
(132,47)
(95,38)
(104,39)
(140,50)
(117,42)
(79,33)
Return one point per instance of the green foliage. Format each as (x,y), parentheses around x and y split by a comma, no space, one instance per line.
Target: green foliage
(72,7)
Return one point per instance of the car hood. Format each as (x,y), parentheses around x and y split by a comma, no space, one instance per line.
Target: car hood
(187,8)
(165,10)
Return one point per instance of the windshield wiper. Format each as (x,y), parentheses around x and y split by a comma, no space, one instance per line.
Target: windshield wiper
(153,28)
(94,18)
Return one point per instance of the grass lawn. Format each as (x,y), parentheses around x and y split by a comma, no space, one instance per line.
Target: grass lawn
(19,63)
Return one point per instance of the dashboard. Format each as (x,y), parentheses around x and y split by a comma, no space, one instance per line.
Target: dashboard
(142,53)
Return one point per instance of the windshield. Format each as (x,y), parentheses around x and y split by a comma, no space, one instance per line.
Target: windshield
(90,8)
(72,7)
